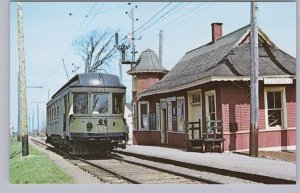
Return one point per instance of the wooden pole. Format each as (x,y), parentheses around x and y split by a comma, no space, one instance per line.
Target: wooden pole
(19,112)
(253,141)
(22,84)
(37,120)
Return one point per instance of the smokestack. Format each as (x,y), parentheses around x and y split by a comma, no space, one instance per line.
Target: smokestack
(160,46)
(216,29)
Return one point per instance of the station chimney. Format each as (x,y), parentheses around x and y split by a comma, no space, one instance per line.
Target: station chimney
(216,29)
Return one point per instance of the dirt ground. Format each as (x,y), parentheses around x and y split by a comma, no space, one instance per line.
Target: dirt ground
(289,156)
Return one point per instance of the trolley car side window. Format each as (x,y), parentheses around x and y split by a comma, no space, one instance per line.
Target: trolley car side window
(117,103)
(80,103)
(100,103)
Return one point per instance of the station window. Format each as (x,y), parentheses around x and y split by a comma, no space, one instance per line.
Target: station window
(275,107)
(117,103)
(100,103)
(180,114)
(80,103)
(196,98)
(144,115)
(210,105)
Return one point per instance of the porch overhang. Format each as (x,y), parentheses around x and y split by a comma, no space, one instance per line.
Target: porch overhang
(283,79)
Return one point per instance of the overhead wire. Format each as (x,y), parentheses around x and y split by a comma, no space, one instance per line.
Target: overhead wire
(79,29)
(191,11)
(93,18)
(153,17)
(56,66)
(171,10)
(136,30)
(175,20)
(165,15)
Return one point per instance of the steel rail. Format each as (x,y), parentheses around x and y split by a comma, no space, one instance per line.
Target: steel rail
(60,152)
(236,174)
(167,171)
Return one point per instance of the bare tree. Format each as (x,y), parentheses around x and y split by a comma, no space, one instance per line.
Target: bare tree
(96,49)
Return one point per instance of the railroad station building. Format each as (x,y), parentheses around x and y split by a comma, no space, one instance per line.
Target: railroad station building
(212,82)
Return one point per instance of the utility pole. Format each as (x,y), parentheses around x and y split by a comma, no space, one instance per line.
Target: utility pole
(254,105)
(19,112)
(37,119)
(22,84)
(131,43)
(37,115)
(160,46)
(133,19)
(32,126)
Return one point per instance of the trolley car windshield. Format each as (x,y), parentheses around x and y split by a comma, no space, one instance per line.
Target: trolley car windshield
(100,103)
(80,103)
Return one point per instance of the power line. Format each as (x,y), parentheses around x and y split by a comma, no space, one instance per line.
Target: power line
(153,23)
(56,66)
(187,13)
(108,10)
(162,17)
(153,16)
(176,20)
(94,16)
(170,12)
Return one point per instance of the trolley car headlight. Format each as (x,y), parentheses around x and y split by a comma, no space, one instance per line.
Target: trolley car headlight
(89,126)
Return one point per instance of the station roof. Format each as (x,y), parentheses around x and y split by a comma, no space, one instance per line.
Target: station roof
(226,59)
(147,62)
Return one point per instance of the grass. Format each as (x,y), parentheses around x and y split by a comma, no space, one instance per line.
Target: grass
(36,168)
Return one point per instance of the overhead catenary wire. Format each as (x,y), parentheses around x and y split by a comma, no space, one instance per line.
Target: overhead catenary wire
(65,50)
(177,20)
(153,17)
(89,13)
(93,18)
(171,11)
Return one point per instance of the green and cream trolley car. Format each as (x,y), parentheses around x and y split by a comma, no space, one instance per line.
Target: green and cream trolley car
(85,116)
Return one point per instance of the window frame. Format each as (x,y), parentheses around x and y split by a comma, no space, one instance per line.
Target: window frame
(91,95)
(196,96)
(157,116)
(178,99)
(283,104)
(88,110)
(121,103)
(207,94)
(139,114)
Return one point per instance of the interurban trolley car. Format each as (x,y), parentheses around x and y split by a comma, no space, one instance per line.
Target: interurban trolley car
(85,116)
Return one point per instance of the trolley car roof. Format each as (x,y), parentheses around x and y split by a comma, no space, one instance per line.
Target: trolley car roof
(92,80)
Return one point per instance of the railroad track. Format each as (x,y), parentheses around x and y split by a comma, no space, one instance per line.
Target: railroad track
(217,175)
(117,171)
(122,168)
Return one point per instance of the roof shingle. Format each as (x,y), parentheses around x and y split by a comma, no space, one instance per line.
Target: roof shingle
(227,57)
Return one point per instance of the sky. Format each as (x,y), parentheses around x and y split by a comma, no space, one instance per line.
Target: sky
(50,30)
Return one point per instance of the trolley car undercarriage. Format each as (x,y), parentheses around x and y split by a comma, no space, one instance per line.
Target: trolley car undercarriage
(87,145)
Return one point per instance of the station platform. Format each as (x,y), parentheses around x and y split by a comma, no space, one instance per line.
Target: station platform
(227,161)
